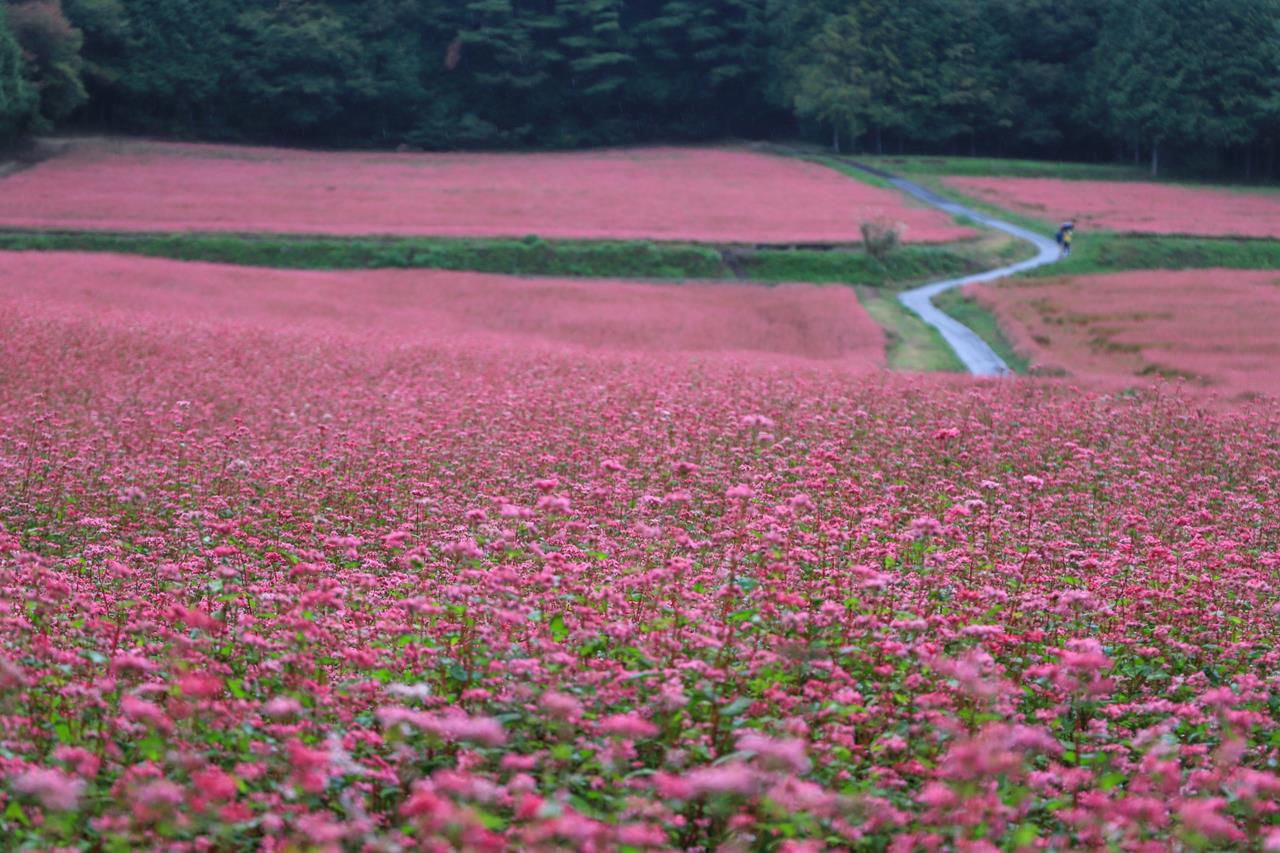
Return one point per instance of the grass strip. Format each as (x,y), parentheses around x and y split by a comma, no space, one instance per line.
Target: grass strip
(534,256)
(990,167)
(527,256)
(906,264)
(973,314)
(913,345)
(1103,252)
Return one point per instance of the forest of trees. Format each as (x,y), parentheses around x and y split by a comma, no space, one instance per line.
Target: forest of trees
(1192,82)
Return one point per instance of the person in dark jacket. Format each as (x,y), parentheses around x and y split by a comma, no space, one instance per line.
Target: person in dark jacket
(1066,236)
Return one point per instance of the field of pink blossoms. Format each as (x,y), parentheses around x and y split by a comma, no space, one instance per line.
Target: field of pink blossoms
(697,320)
(693,194)
(1140,208)
(290,587)
(1215,329)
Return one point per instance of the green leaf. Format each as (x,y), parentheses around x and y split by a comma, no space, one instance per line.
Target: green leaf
(557,627)
(152,747)
(15,812)
(1110,780)
(1025,835)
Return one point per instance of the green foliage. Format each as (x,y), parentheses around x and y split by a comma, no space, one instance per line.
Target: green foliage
(298,69)
(1047,48)
(832,85)
(51,48)
(430,73)
(969,311)
(1186,74)
(1102,253)
(105,25)
(17,99)
(169,76)
(924,70)
(907,265)
(530,256)
(982,167)
(912,345)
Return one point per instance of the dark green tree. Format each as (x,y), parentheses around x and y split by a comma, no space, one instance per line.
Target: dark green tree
(1185,75)
(503,69)
(51,48)
(17,98)
(172,74)
(597,66)
(702,64)
(105,25)
(886,74)
(958,96)
(1048,47)
(831,83)
(297,70)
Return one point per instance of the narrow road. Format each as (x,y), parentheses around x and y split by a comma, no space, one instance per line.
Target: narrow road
(977,356)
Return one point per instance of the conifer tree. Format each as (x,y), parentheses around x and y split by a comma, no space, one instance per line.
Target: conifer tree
(17,99)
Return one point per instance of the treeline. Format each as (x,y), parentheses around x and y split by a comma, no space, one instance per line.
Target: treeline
(1194,81)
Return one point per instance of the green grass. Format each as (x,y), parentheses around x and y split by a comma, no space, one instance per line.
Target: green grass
(984,167)
(907,264)
(1103,252)
(913,345)
(534,256)
(529,256)
(970,312)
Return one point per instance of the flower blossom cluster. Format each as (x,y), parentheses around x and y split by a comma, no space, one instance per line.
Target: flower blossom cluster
(282,587)
(624,194)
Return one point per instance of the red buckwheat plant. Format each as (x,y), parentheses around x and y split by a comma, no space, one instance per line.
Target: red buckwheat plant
(1135,207)
(289,585)
(621,194)
(1213,329)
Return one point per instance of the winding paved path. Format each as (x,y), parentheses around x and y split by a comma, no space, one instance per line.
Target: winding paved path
(977,356)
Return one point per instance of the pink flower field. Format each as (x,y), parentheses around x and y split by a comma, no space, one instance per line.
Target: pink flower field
(716,321)
(701,195)
(303,562)
(1139,208)
(1214,328)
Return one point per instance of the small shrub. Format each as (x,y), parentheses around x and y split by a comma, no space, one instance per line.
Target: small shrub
(881,237)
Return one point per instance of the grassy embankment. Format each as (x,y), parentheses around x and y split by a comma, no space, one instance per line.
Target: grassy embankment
(534,256)
(990,167)
(972,313)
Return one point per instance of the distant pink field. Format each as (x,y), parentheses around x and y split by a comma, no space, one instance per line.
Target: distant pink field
(1133,207)
(698,195)
(409,307)
(1216,328)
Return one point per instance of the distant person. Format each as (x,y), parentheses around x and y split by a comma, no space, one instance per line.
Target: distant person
(1066,235)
